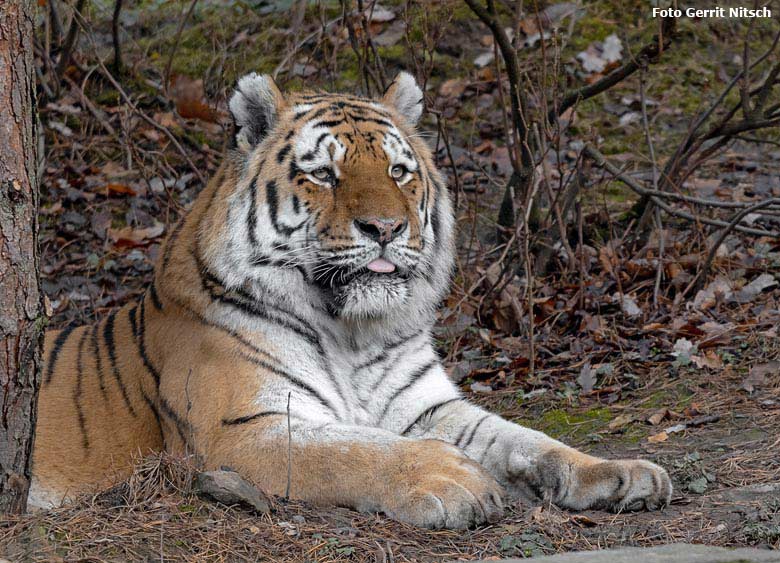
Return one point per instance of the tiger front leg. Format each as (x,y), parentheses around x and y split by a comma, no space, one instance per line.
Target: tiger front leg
(426,483)
(531,465)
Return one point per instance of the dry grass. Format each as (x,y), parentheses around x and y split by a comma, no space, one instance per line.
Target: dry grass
(154,516)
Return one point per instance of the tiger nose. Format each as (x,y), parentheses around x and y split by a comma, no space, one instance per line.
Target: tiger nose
(381,230)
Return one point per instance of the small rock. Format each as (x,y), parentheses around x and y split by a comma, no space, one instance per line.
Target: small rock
(229,488)
(298,519)
(698,486)
(478,387)
(484,59)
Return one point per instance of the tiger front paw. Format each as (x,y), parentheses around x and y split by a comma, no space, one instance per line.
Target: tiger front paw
(437,486)
(578,481)
(638,484)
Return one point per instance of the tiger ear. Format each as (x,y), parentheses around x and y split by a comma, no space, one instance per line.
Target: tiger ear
(255,107)
(405,96)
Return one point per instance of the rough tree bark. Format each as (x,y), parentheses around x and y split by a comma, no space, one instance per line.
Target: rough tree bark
(21,312)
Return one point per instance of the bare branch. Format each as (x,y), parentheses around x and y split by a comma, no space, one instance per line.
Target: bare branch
(649,53)
(698,281)
(600,161)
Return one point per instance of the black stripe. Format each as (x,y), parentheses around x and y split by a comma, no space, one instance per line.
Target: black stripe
(131,317)
(77,391)
(272,199)
(251,216)
(292,379)
(170,243)
(394,136)
(108,337)
(384,122)
(435,218)
(312,153)
(328,123)
(487,449)
(300,114)
(259,259)
(416,376)
(461,434)
(155,296)
(264,363)
(474,431)
(59,342)
(231,333)
(371,362)
(282,153)
(391,364)
(324,97)
(294,170)
(156,414)
(250,418)
(319,113)
(98,361)
(428,412)
(251,309)
(180,425)
(296,204)
(248,305)
(140,333)
(424,198)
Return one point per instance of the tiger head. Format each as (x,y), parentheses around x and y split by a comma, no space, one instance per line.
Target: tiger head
(340,193)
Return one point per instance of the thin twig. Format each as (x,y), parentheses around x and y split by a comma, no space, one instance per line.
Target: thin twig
(658,222)
(115,36)
(177,39)
(70,39)
(599,159)
(698,281)
(289,450)
(97,113)
(151,121)
(648,53)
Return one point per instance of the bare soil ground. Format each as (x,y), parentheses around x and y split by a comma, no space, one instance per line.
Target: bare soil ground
(693,383)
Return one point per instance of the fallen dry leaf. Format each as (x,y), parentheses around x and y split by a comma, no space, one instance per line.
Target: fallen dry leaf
(583,520)
(707,297)
(692,410)
(657,417)
(759,375)
(754,288)
(587,378)
(709,360)
(627,304)
(190,99)
(658,438)
(128,236)
(120,189)
(539,514)
(453,87)
(620,422)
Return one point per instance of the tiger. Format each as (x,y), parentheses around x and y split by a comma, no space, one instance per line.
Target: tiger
(287,335)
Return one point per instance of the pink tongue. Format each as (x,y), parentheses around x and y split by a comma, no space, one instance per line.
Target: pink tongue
(382,266)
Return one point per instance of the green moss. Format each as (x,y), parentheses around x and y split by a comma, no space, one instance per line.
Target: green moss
(674,398)
(393,53)
(560,423)
(41,322)
(107,97)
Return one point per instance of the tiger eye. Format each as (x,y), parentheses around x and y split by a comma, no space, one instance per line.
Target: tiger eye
(398,171)
(323,174)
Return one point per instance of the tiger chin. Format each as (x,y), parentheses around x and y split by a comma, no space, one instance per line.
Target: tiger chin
(308,270)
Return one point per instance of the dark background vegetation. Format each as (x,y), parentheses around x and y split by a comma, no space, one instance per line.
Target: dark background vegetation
(616,186)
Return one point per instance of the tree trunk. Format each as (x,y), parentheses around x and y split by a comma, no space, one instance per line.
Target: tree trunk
(21,312)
